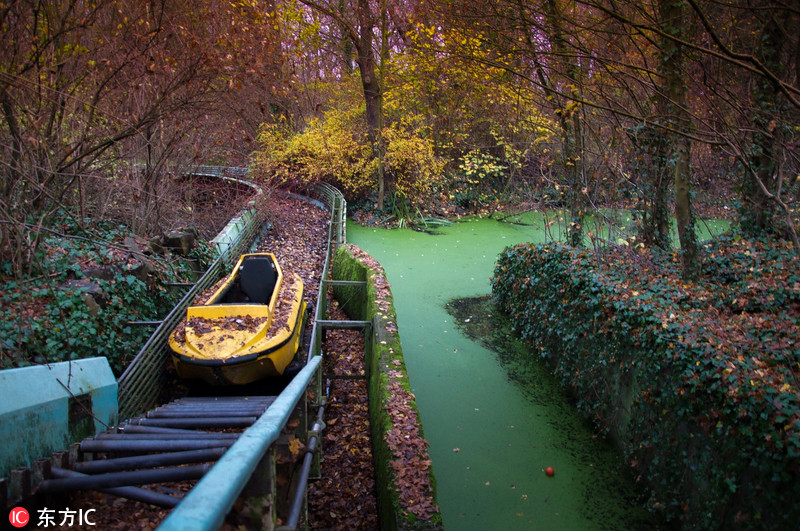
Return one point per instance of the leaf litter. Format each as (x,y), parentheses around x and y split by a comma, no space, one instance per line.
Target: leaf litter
(344,498)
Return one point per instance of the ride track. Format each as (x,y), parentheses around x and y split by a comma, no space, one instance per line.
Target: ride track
(233,444)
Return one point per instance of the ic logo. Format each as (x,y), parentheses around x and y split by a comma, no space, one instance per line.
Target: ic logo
(19,517)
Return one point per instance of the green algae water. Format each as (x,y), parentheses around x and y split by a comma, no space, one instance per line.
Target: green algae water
(494,423)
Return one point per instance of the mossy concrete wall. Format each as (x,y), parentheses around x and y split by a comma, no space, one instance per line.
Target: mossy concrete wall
(385,370)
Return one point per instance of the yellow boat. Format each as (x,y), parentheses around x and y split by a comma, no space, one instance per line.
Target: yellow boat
(249,328)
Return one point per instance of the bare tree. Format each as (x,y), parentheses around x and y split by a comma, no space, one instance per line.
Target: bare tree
(94,90)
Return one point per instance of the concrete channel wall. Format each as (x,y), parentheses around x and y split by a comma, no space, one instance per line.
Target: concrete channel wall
(402,504)
(44,408)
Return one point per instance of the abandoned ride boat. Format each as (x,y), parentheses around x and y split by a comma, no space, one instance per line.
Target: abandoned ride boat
(249,328)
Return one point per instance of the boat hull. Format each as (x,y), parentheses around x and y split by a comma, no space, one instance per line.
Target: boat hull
(249,329)
(245,369)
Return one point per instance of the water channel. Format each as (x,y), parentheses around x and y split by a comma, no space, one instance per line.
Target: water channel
(494,424)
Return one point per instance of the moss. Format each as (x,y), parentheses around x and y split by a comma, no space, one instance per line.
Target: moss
(386,371)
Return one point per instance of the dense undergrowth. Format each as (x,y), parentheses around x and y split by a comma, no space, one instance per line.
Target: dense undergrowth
(698,382)
(86,285)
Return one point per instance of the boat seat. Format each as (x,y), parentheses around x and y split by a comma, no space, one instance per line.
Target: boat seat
(257,279)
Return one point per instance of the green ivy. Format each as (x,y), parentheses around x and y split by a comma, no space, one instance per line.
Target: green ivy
(43,321)
(696,382)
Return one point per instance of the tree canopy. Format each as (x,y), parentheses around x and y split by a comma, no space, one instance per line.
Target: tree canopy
(571,104)
(423,108)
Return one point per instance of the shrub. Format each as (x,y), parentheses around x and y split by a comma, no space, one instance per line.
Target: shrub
(336,149)
(43,319)
(411,162)
(696,382)
(478,179)
(332,149)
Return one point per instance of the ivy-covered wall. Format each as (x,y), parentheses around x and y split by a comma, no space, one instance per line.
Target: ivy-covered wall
(696,382)
(405,482)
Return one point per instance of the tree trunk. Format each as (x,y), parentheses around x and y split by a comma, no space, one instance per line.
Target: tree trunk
(361,38)
(758,211)
(651,164)
(347,43)
(571,124)
(372,88)
(573,157)
(13,169)
(684,212)
(679,123)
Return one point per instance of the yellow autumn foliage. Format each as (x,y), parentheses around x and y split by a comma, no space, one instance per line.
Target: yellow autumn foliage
(446,80)
(411,162)
(332,149)
(335,149)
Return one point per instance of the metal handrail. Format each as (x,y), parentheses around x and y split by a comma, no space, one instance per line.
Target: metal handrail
(207,504)
(218,171)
